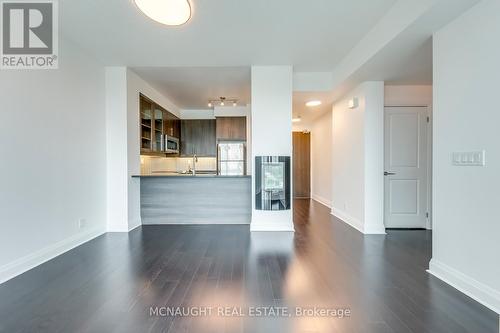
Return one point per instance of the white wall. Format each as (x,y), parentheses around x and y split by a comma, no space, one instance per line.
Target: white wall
(466,224)
(408,95)
(374,157)
(135,87)
(357,163)
(271,133)
(53,160)
(321,159)
(123,88)
(116,149)
(197,114)
(321,137)
(301,126)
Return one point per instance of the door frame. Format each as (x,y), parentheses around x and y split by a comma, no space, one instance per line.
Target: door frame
(428,222)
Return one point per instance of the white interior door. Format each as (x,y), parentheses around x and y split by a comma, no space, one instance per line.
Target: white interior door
(405,167)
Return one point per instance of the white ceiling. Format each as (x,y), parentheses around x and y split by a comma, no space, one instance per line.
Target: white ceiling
(312,35)
(309,114)
(344,41)
(192,87)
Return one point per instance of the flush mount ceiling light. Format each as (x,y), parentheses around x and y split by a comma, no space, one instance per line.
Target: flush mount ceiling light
(313,103)
(222,102)
(169,12)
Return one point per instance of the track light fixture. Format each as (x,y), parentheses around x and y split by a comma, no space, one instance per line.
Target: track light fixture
(221,101)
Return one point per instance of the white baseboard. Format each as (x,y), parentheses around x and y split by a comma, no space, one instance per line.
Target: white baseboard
(343,216)
(428,225)
(37,258)
(374,230)
(357,224)
(277,220)
(134,227)
(322,200)
(128,227)
(257,227)
(476,290)
(199,222)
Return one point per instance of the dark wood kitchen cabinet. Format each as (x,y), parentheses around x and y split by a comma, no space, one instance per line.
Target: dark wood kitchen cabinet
(232,128)
(147,125)
(172,125)
(198,137)
(156,122)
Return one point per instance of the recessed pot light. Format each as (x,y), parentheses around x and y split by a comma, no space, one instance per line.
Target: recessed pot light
(313,103)
(169,12)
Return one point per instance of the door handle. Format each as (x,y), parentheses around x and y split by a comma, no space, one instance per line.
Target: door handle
(389,173)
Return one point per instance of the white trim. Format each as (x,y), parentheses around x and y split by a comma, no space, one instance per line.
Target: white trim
(259,226)
(135,227)
(357,224)
(45,254)
(428,224)
(406,106)
(346,218)
(135,224)
(374,230)
(196,223)
(322,200)
(120,229)
(476,290)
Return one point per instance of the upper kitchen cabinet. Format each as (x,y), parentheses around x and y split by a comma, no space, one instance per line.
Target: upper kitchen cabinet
(158,137)
(172,125)
(232,128)
(156,122)
(198,137)
(146,119)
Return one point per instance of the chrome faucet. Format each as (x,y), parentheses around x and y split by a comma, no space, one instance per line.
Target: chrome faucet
(195,160)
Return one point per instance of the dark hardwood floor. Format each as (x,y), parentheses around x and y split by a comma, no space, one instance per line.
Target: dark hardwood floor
(110,283)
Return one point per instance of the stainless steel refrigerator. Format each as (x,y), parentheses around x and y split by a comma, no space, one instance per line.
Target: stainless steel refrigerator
(231,158)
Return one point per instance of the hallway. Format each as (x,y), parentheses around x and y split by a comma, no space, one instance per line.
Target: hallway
(110,283)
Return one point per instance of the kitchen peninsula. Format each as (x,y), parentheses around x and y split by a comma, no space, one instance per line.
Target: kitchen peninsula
(193,171)
(200,199)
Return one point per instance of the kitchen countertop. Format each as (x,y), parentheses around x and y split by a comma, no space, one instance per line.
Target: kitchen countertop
(185,175)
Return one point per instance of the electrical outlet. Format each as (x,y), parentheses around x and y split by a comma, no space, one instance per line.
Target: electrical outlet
(82,223)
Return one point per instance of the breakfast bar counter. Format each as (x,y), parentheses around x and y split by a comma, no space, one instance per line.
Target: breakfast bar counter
(173,198)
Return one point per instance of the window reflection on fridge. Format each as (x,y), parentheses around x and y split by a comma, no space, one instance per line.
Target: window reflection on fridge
(231,158)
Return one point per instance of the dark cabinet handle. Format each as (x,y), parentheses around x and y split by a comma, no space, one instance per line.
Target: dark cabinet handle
(389,173)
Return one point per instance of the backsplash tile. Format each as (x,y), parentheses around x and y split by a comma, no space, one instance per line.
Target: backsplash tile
(151,164)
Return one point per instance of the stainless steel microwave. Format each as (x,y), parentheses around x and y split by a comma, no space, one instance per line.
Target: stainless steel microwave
(171,145)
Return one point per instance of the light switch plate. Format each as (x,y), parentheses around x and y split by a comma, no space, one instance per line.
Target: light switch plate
(469,158)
